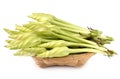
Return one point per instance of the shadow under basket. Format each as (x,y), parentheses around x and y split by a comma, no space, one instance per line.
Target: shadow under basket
(76,60)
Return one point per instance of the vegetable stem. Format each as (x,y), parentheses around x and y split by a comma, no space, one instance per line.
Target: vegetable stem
(86,50)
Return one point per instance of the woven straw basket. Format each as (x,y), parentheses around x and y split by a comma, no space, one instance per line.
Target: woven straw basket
(76,60)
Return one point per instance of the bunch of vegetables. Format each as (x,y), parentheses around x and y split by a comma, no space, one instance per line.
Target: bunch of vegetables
(48,36)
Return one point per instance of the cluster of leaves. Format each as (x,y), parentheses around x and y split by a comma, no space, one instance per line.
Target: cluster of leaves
(49,36)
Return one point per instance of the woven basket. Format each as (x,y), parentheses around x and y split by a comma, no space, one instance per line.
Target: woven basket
(75,60)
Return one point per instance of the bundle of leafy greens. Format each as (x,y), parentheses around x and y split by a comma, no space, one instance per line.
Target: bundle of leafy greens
(48,36)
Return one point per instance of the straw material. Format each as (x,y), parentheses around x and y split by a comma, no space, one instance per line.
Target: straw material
(75,60)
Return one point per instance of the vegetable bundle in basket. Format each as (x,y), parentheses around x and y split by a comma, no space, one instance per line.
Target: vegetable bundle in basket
(52,41)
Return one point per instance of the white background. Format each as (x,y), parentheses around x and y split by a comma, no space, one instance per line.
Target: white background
(99,14)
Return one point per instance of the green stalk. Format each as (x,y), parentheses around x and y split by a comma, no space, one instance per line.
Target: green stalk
(70,29)
(74,33)
(85,45)
(64,37)
(76,38)
(80,30)
(70,25)
(86,50)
